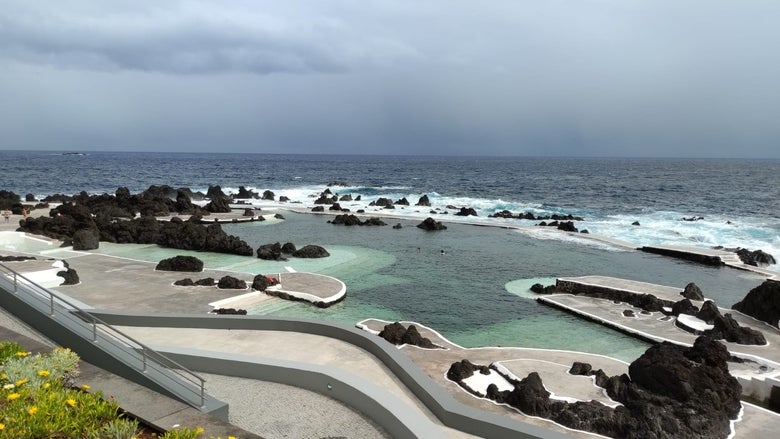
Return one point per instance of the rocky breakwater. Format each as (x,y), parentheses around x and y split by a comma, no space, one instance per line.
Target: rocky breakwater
(670,391)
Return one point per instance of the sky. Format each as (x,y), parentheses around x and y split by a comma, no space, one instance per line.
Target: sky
(595,78)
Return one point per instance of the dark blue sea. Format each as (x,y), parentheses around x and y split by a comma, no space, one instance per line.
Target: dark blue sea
(476,294)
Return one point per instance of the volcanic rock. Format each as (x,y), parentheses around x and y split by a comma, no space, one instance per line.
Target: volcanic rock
(430,224)
(708,312)
(567,226)
(726,328)
(288,248)
(228,311)
(692,292)
(180,263)
(270,252)
(541,289)
(578,368)
(756,258)
(466,211)
(261,282)
(423,201)
(311,251)
(86,239)
(684,306)
(231,283)
(463,369)
(206,282)
(397,334)
(186,282)
(762,302)
(70,276)
(245,193)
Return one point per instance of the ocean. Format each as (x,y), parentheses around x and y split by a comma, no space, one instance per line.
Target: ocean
(476,293)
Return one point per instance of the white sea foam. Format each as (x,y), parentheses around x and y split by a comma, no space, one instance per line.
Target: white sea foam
(656,227)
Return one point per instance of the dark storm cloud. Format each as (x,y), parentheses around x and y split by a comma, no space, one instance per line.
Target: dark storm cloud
(182,38)
(553,77)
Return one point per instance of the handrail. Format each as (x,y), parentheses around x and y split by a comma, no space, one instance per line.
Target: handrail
(101,331)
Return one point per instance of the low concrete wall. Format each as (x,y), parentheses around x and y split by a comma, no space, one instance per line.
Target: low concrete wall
(65,333)
(449,411)
(688,256)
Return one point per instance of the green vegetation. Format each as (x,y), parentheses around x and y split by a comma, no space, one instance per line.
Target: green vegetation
(40,398)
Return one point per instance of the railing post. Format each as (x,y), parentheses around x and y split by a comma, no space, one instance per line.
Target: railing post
(202,393)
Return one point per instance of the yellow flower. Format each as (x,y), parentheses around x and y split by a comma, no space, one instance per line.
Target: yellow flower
(22,354)
(21,381)
(71,402)
(43,373)
(3,376)
(85,387)
(32,410)
(199,430)
(12,397)
(231,437)
(46,385)
(2,426)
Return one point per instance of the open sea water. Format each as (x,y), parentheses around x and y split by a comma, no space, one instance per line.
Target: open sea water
(476,293)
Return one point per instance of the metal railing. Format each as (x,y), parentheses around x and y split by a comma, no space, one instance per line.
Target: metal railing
(167,373)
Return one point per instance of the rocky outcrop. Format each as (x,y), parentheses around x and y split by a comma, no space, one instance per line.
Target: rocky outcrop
(762,302)
(86,239)
(206,282)
(69,275)
(101,213)
(430,224)
(466,211)
(245,193)
(670,391)
(726,328)
(288,248)
(352,220)
(284,199)
(382,202)
(218,204)
(402,202)
(423,201)
(692,292)
(310,252)
(180,263)
(708,312)
(262,281)
(228,311)
(463,369)
(530,216)
(231,283)
(186,282)
(541,289)
(756,258)
(270,252)
(684,306)
(647,302)
(397,334)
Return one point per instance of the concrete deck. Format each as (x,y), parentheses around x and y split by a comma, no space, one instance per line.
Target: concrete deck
(709,256)
(122,284)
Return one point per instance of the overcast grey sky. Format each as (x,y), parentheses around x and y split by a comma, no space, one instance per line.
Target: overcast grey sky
(542,77)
